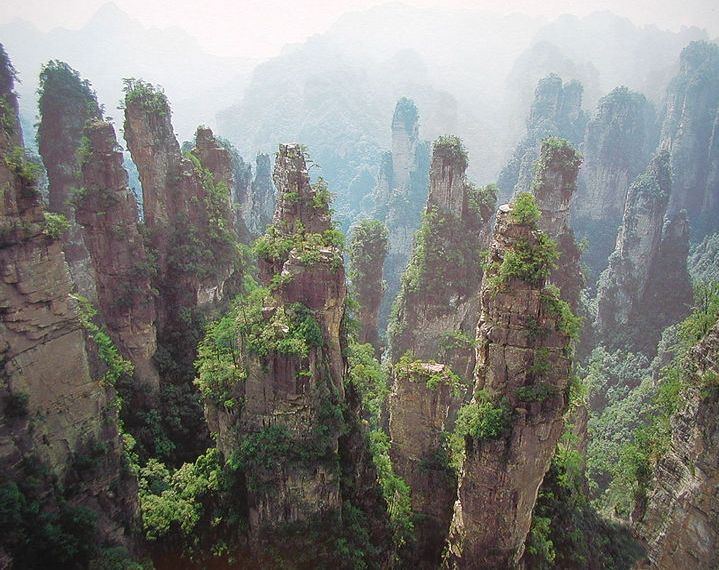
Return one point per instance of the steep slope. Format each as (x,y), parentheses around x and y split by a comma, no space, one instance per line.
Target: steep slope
(646,286)
(107,211)
(689,132)
(66,104)
(64,488)
(510,429)
(617,147)
(556,111)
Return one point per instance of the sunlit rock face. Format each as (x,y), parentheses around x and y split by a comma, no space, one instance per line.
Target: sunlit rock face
(521,379)
(107,212)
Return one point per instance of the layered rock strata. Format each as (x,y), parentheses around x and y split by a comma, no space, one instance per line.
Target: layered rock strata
(556,111)
(680,524)
(107,211)
(66,103)
(512,425)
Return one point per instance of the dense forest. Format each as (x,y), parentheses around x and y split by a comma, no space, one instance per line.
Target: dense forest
(309,337)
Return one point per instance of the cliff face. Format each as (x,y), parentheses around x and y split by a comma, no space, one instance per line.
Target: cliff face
(556,111)
(401,193)
(680,525)
(54,409)
(107,211)
(645,250)
(256,200)
(419,406)
(187,211)
(290,429)
(688,131)
(435,313)
(554,184)
(66,103)
(368,248)
(512,425)
(617,146)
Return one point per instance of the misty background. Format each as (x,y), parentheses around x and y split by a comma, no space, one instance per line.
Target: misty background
(328,74)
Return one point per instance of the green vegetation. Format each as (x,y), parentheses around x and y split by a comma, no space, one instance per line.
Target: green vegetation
(152,99)
(17,162)
(55,225)
(451,146)
(7,117)
(276,245)
(414,369)
(482,419)
(117,366)
(369,379)
(525,211)
(322,197)
(367,249)
(530,261)
(536,392)
(568,323)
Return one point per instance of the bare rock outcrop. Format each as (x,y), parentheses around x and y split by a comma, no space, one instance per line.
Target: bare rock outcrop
(513,423)
(556,112)
(66,103)
(107,211)
(617,147)
(55,410)
(435,314)
(636,290)
(680,523)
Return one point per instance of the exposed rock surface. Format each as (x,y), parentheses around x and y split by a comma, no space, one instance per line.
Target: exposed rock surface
(422,394)
(516,418)
(435,314)
(295,393)
(617,147)
(53,407)
(107,211)
(690,132)
(554,184)
(66,103)
(368,248)
(556,111)
(187,211)
(400,194)
(680,525)
(256,195)
(647,279)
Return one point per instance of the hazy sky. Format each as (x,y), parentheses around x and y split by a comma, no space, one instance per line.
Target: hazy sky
(259,28)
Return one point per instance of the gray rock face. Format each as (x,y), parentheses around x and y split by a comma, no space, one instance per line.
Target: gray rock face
(617,147)
(636,283)
(52,402)
(522,380)
(689,133)
(680,525)
(556,111)
(554,185)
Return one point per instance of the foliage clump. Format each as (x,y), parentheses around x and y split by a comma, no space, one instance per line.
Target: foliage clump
(152,99)
(525,211)
(55,225)
(430,371)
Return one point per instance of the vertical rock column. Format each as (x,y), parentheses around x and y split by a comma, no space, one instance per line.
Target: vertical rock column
(368,248)
(422,395)
(66,104)
(107,211)
(435,314)
(512,426)
(554,184)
